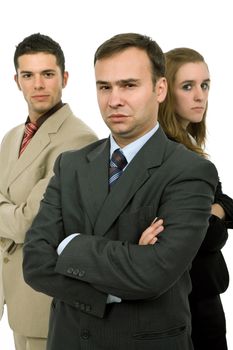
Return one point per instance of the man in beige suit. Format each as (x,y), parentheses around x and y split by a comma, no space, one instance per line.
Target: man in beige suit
(26,165)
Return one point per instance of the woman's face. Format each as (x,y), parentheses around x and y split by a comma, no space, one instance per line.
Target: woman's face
(191,90)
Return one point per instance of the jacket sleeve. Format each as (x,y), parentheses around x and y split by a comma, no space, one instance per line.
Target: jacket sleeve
(217,232)
(16,218)
(40,258)
(216,235)
(226,203)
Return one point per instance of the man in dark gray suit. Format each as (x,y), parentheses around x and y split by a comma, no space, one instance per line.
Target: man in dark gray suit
(116,282)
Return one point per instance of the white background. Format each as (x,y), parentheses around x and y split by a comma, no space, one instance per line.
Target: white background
(81,26)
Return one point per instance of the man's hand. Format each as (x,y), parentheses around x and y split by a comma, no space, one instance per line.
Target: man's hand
(149,236)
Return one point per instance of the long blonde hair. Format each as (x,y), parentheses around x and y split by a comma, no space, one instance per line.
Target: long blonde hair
(168,119)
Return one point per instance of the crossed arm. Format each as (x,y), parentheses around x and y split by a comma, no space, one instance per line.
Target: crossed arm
(16,218)
(150,235)
(107,266)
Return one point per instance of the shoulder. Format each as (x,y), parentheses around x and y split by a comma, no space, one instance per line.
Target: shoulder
(14,130)
(66,120)
(194,166)
(182,164)
(79,155)
(66,131)
(185,159)
(13,134)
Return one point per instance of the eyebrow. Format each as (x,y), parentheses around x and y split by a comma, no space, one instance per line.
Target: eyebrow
(191,81)
(43,71)
(118,82)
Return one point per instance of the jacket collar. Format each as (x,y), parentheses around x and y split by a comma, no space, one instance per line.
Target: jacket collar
(38,143)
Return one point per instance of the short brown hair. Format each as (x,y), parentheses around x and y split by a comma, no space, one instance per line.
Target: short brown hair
(123,41)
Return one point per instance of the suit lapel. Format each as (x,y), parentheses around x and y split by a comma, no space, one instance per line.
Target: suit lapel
(107,206)
(93,180)
(119,196)
(38,143)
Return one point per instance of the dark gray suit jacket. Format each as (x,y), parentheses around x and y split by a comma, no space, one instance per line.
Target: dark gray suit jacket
(164,179)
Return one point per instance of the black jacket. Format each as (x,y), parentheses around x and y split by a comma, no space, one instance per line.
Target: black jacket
(209,272)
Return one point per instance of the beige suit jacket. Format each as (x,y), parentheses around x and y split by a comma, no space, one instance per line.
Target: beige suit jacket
(22,184)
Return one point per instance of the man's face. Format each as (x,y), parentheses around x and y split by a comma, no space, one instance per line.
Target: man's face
(41,82)
(127,97)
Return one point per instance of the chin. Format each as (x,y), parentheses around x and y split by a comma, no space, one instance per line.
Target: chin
(197,120)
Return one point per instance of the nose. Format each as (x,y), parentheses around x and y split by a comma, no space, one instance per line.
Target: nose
(38,82)
(198,94)
(115,98)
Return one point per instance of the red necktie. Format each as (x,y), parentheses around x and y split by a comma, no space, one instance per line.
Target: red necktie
(29,131)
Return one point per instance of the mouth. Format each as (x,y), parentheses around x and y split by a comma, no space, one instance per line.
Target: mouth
(117,117)
(199,108)
(40,97)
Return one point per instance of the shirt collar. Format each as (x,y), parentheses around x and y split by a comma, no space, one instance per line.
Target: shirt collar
(134,147)
(47,114)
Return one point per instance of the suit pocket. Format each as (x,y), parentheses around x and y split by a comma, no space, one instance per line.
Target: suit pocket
(176,338)
(132,224)
(173,332)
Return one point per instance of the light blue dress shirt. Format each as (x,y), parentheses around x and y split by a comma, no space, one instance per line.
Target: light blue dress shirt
(134,147)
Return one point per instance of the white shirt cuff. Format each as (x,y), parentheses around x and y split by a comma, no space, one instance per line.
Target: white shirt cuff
(113,299)
(65,241)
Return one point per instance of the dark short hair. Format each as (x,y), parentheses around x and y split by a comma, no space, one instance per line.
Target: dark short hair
(39,43)
(123,41)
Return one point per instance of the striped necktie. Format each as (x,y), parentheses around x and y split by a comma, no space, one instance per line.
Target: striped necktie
(117,164)
(29,131)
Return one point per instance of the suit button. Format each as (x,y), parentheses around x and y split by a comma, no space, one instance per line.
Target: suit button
(81,273)
(6,260)
(2,242)
(83,307)
(88,308)
(85,334)
(76,272)
(70,270)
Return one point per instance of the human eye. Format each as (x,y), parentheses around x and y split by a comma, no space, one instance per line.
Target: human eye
(26,75)
(48,75)
(130,84)
(205,86)
(103,87)
(187,86)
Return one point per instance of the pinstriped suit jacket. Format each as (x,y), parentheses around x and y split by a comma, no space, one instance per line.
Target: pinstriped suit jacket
(164,179)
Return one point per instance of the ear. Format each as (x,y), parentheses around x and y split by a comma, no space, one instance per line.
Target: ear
(65,79)
(161,89)
(17,81)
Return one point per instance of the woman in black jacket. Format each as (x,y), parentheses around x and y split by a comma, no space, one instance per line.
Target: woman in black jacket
(183,118)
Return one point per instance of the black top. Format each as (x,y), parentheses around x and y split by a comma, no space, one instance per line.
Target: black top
(209,271)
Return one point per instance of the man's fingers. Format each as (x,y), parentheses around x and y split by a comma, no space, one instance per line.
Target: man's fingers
(149,235)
